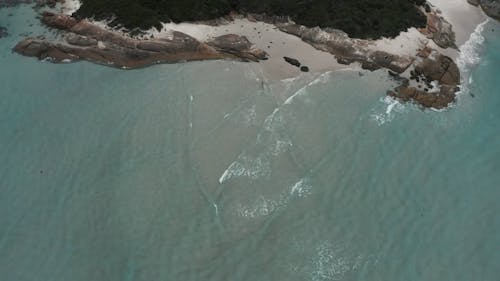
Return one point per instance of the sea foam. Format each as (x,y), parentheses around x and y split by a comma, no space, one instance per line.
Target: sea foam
(469,55)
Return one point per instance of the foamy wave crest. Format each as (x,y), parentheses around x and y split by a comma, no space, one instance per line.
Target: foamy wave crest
(272,141)
(329,261)
(470,55)
(274,136)
(302,188)
(323,78)
(388,115)
(247,166)
(265,206)
(469,51)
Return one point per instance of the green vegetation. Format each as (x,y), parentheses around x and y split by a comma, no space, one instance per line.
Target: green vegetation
(358,18)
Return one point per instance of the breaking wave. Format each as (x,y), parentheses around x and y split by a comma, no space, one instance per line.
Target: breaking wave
(392,105)
(266,206)
(469,55)
(247,166)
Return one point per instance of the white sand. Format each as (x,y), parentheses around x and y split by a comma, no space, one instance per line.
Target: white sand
(407,43)
(463,16)
(268,38)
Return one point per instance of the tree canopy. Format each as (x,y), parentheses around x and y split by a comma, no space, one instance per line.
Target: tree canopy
(358,18)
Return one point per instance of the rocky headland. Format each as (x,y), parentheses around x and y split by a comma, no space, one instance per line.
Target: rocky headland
(84,40)
(427,77)
(437,80)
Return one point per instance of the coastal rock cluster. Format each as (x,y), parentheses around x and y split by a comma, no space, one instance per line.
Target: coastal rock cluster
(88,41)
(439,30)
(490,7)
(441,78)
(346,49)
(296,63)
(430,67)
(428,79)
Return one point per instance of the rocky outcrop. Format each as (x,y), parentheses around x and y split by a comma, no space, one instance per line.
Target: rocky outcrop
(491,8)
(347,50)
(439,30)
(432,67)
(292,61)
(441,70)
(296,63)
(237,46)
(86,41)
(438,100)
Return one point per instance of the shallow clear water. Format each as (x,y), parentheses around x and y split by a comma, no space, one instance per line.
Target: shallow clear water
(204,171)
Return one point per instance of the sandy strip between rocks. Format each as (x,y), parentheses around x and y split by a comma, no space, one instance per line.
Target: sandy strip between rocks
(463,16)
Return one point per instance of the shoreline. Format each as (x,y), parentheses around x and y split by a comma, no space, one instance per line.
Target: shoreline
(463,16)
(318,50)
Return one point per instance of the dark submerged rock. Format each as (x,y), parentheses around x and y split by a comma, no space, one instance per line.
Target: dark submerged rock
(292,61)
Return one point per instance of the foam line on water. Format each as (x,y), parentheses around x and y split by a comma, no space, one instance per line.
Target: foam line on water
(392,105)
(323,78)
(273,137)
(265,206)
(469,55)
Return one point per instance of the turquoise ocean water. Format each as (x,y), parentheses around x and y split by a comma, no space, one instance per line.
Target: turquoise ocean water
(205,171)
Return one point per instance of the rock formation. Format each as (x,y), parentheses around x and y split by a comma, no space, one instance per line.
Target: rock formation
(439,30)
(439,69)
(490,7)
(292,61)
(86,41)
(347,50)
(296,63)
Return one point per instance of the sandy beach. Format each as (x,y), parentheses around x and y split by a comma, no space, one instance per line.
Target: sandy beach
(268,38)
(463,17)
